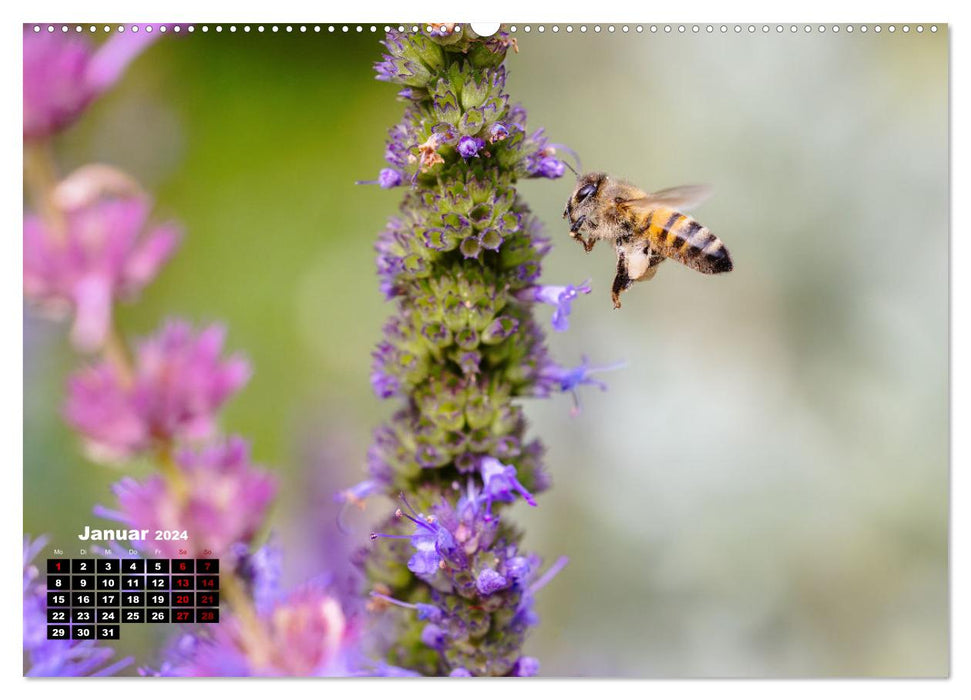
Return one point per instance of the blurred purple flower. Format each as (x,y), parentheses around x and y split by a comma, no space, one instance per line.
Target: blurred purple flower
(549,167)
(220,499)
(489,581)
(561,298)
(106,252)
(63,74)
(384,369)
(389,262)
(262,570)
(45,657)
(553,377)
(526,666)
(306,634)
(387,179)
(541,162)
(178,385)
(433,637)
(356,495)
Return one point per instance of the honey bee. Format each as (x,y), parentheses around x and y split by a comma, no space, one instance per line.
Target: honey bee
(645,229)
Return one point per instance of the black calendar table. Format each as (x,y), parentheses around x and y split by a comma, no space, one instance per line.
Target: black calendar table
(92,598)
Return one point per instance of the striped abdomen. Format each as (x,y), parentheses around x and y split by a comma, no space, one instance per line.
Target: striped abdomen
(676,236)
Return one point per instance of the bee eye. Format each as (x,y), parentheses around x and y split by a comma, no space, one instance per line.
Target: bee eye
(585,192)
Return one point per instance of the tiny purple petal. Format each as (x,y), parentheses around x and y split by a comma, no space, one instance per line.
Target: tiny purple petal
(359,492)
(498,132)
(499,482)
(425,560)
(518,568)
(469,146)
(389,178)
(560,297)
(433,636)
(526,666)
(428,612)
(553,377)
(551,168)
(489,581)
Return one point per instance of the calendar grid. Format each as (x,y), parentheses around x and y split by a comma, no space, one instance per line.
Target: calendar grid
(92,598)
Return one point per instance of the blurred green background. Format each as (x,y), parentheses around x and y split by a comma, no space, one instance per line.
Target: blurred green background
(764,489)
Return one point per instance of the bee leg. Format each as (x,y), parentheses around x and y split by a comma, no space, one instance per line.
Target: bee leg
(621,281)
(587,244)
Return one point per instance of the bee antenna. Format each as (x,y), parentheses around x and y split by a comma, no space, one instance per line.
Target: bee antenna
(575,157)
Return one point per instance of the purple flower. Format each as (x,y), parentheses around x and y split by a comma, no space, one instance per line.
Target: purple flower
(541,161)
(553,377)
(489,581)
(105,252)
(435,543)
(500,484)
(526,666)
(461,348)
(398,146)
(469,362)
(384,368)
(389,259)
(217,496)
(433,636)
(178,384)
(387,179)
(550,167)
(62,74)
(469,146)
(524,612)
(357,494)
(489,572)
(559,297)
(498,132)
(45,657)
(386,70)
(262,570)
(445,132)
(424,610)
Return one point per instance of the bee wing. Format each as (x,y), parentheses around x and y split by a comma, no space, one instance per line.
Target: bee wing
(678,198)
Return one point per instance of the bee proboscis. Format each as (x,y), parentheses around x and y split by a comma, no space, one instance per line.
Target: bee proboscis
(645,228)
